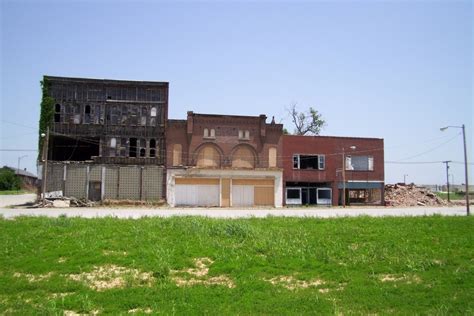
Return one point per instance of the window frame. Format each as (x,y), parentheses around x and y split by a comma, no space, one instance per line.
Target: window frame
(321,162)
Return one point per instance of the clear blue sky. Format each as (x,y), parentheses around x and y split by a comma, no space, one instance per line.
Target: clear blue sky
(396,70)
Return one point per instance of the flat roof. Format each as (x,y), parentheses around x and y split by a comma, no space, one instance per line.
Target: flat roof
(105,81)
(338,137)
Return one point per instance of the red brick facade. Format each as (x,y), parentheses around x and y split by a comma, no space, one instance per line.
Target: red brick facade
(332,148)
(190,135)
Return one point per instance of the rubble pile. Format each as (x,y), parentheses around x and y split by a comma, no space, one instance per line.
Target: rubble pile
(61,202)
(410,195)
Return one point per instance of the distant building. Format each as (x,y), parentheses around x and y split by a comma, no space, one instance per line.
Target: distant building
(27,178)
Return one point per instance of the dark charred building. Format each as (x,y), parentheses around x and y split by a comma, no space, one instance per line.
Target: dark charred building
(107,138)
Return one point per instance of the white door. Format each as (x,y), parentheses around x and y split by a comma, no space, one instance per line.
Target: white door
(242,195)
(197,194)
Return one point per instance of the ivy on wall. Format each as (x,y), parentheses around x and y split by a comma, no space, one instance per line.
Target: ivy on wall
(46,113)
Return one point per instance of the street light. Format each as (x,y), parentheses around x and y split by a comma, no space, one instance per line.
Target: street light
(19,159)
(344,176)
(465,162)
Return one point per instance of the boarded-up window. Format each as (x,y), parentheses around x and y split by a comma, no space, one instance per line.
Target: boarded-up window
(243,157)
(272,157)
(208,157)
(177,149)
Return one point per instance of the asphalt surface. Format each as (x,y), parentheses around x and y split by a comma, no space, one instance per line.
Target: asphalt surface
(138,212)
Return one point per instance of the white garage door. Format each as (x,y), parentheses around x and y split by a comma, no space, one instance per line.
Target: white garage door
(242,195)
(197,194)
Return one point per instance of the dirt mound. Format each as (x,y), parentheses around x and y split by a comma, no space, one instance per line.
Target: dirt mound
(410,195)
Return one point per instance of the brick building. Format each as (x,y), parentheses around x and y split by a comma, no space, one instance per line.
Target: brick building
(313,170)
(107,137)
(224,160)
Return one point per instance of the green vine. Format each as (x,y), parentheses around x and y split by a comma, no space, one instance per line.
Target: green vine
(46,114)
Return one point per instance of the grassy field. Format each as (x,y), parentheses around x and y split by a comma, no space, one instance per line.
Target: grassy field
(453,195)
(250,266)
(14,192)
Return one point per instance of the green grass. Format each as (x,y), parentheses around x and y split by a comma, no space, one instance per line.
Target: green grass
(430,258)
(452,195)
(14,192)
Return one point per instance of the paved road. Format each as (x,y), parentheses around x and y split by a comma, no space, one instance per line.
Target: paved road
(17,199)
(220,212)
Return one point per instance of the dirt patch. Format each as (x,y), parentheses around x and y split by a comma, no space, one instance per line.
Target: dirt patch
(291,283)
(33,277)
(199,275)
(408,279)
(111,276)
(141,310)
(73,313)
(114,253)
(60,295)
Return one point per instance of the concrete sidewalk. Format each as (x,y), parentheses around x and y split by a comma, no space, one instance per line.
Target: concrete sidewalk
(232,213)
(138,212)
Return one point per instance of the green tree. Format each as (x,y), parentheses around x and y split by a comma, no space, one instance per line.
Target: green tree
(9,180)
(309,122)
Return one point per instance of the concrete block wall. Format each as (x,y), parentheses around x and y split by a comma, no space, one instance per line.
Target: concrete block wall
(118,182)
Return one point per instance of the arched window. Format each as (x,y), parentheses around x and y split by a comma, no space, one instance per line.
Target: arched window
(243,157)
(153,116)
(113,142)
(272,157)
(213,133)
(208,156)
(206,132)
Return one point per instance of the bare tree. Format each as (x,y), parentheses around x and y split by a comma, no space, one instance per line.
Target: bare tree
(310,122)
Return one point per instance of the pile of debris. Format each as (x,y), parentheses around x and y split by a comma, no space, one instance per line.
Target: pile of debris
(410,195)
(62,202)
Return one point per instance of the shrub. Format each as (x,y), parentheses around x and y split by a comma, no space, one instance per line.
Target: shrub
(9,180)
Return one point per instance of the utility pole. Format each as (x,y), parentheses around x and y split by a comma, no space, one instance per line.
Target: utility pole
(45,164)
(343,179)
(465,168)
(465,162)
(447,176)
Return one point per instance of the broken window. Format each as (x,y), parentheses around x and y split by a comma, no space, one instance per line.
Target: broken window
(114,115)
(143,116)
(134,115)
(152,148)
(77,114)
(142,147)
(360,163)
(112,147)
(315,162)
(124,116)
(95,94)
(153,116)
(87,114)
(57,113)
(97,114)
(123,147)
(132,152)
